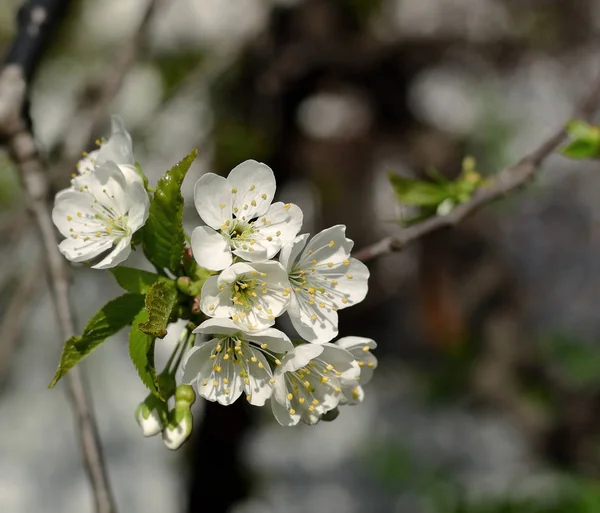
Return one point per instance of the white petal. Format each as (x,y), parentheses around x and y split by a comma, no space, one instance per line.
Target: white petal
(258,253)
(367,361)
(119,254)
(281,223)
(211,250)
(67,208)
(118,148)
(215,302)
(196,363)
(277,341)
(228,392)
(351,343)
(253,182)
(353,393)
(76,250)
(210,192)
(329,245)
(258,389)
(229,275)
(131,174)
(218,325)
(341,359)
(140,206)
(291,251)
(313,324)
(353,282)
(282,415)
(299,357)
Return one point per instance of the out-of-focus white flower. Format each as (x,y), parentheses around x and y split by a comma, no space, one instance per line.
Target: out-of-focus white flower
(240,217)
(324,279)
(309,381)
(233,361)
(360,348)
(252,295)
(99,214)
(117,149)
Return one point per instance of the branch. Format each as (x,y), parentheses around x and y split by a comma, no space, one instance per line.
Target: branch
(11,323)
(87,119)
(36,20)
(504,182)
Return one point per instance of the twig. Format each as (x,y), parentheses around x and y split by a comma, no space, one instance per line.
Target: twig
(87,119)
(503,183)
(11,324)
(36,20)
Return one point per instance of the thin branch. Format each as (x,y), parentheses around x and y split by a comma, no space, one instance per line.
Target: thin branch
(501,184)
(11,324)
(87,119)
(36,19)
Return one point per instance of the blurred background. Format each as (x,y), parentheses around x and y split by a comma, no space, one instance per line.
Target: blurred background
(487,395)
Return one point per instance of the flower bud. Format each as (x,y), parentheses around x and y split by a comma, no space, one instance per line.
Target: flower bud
(179,427)
(148,419)
(185,395)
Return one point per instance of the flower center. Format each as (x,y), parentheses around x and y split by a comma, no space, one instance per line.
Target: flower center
(244,293)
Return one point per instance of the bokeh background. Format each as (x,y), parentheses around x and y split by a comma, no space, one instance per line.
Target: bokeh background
(487,396)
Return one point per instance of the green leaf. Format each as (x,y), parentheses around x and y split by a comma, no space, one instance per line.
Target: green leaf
(163,238)
(160,301)
(135,280)
(418,192)
(585,141)
(113,316)
(141,352)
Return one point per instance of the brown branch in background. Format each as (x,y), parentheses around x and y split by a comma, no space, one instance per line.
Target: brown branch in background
(501,184)
(93,112)
(36,20)
(11,323)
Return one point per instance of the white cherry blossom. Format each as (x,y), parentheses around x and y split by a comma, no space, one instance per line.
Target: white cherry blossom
(252,295)
(99,215)
(240,218)
(117,149)
(234,361)
(309,382)
(360,348)
(324,279)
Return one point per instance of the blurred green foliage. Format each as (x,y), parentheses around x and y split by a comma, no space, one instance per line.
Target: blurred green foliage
(236,142)
(395,468)
(9,184)
(174,68)
(579,361)
(439,195)
(584,141)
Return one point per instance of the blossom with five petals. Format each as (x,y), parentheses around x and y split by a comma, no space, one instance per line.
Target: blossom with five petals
(99,214)
(240,217)
(252,295)
(233,361)
(309,382)
(324,279)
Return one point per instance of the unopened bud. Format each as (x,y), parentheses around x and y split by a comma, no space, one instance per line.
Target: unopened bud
(148,419)
(179,428)
(185,395)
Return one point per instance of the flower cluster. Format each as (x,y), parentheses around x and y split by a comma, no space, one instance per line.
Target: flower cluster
(247,265)
(310,281)
(105,205)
